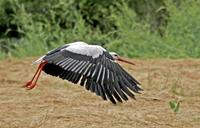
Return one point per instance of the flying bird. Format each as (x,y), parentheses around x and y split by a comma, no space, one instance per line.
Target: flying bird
(93,67)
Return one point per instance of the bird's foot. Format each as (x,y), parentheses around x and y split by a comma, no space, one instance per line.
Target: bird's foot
(29,85)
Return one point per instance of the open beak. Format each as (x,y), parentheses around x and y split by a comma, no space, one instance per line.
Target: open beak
(124,60)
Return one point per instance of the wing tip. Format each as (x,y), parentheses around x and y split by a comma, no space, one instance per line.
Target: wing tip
(139,88)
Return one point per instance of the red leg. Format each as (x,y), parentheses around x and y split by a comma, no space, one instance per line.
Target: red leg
(31,84)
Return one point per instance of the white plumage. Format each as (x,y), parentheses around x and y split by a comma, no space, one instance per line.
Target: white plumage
(84,49)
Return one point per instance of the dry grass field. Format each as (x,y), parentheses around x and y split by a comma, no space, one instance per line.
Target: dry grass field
(55,103)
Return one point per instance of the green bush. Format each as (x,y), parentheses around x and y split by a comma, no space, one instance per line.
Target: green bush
(144,29)
(181,38)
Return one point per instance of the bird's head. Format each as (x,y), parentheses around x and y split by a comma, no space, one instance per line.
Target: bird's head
(118,58)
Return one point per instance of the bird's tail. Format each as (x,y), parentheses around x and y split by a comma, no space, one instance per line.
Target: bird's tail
(38,61)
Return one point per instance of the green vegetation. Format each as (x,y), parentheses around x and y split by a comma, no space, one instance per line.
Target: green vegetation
(145,28)
(174,105)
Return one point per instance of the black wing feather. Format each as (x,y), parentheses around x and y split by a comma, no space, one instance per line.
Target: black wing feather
(101,91)
(83,81)
(108,94)
(100,75)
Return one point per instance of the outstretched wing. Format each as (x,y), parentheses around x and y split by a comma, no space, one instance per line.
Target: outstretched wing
(95,68)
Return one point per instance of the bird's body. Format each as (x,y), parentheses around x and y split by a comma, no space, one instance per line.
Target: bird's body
(92,66)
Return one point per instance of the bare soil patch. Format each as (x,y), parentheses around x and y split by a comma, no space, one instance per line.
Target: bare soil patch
(55,103)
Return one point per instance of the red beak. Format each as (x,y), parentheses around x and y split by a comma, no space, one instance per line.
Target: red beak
(124,60)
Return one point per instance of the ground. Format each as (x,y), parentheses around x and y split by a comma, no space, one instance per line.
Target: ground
(55,103)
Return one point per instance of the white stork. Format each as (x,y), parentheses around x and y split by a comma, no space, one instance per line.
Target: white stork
(93,66)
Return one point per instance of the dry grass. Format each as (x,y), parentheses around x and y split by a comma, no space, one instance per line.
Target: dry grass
(58,104)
